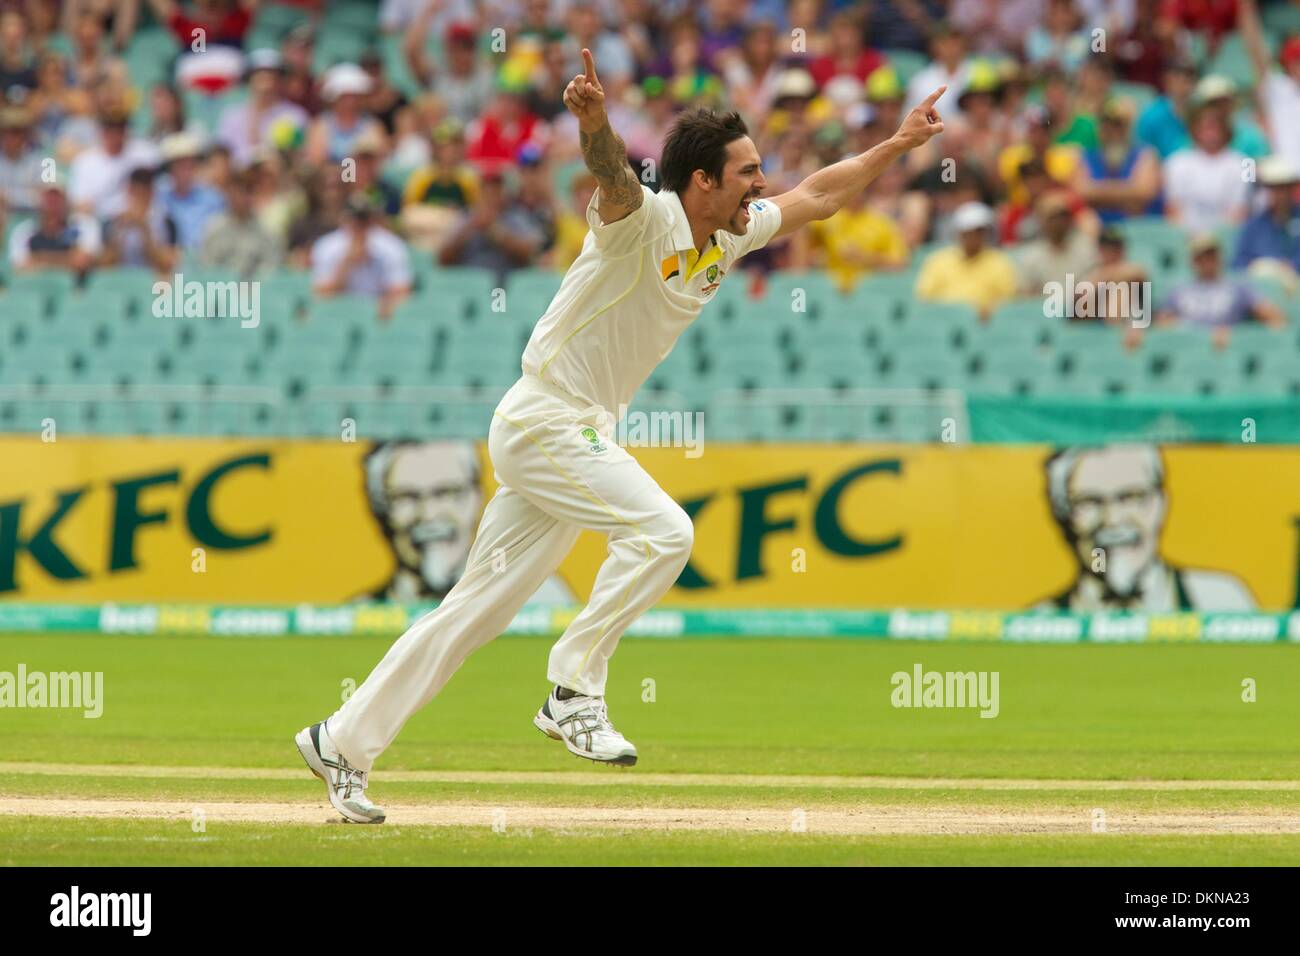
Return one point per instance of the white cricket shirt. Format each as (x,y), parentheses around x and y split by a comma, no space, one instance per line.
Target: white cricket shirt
(635,287)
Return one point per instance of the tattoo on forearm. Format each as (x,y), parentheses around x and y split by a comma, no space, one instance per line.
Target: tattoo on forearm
(606,156)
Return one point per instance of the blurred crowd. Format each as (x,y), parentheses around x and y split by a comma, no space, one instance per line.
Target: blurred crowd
(444,141)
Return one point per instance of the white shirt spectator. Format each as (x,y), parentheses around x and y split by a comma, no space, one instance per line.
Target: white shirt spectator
(387,266)
(1209,190)
(934,76)
(98,180)
(1281,96)
(82,232)
(234,129)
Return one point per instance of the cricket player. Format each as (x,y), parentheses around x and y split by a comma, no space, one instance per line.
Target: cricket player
(648,265)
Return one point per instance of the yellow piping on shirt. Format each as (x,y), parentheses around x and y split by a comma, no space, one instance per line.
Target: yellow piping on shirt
(640,262)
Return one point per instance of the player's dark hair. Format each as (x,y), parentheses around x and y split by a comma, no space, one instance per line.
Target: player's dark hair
(698,140)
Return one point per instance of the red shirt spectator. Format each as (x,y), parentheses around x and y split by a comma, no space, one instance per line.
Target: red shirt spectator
(223,22)
(1214,18)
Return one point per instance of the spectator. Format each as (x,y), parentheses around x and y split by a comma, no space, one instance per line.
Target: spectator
(1144,49)
(495,138)
(1213,18)
(1120,178)
(584,26)
(53,103)
(949,68)
(1163,124)
(466,83)
(498,234)
(969,272)
(362,258)
(117,18)
(97,179)
(384,100)
(17,62)
(534,196)
(1278,90)
(335,132)
(167,115)
(1205,186)
(1059,39)
(909,24)
(246,127)
(91,67)
(368,153)
(1061,161)
(571,226)
(857,241)
(751,69)
(20,163)
(981,134)
(1061,251)
(298,53)
(992,27)
(142,235)
(849,57)
(1272,235)
(1211,299)
(448,180)
(57,239)
(326,196)
(1119,284)
(190,203)
(235,241)
(1218,93)
(220,22)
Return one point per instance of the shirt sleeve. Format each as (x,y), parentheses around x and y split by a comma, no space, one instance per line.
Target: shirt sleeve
(639,227)
(764,221)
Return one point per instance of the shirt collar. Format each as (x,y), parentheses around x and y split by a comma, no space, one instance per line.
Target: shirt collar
(681,234)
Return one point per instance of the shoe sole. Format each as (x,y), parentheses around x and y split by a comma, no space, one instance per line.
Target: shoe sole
(552,730)
(312,758)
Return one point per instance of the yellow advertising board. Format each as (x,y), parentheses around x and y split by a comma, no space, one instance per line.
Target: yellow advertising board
(998,527)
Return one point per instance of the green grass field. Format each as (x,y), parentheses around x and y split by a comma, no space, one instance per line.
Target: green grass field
(752,752)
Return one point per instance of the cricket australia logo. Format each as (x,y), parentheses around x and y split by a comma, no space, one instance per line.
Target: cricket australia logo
(597,446)
(711,273)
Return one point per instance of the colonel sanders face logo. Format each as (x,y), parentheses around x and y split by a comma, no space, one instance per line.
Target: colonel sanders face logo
(426,496)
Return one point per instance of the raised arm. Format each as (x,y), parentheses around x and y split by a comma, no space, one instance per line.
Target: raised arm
(602,149)
(826,191)
(1252,36)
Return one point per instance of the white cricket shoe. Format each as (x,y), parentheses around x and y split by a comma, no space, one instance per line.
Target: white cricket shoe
(582,722)
(345,784)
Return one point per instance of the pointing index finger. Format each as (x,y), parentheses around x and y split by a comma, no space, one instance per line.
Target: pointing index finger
(933,98)
(590,64)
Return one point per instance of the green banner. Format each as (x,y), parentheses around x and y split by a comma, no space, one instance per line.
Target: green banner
(1135,418)
(393,619)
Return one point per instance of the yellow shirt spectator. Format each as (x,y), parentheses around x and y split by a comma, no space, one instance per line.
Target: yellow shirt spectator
(858,241)
(984,280)
(1061,162)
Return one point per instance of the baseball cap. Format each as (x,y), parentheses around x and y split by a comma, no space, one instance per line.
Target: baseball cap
(795,82)
(1203,242)
(1290,51)
(448,130)
(1214,87)
(180,146)
(530,154)
(983,78)
(883,84)
(460,33)
(263,59)
(345,78)
(972,215)
(1276,171)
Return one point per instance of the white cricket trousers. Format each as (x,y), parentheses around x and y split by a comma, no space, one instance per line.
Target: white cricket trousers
(554,481)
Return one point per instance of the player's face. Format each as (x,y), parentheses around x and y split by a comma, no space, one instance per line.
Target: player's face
(742,181)
(1116,508)
(433,505)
